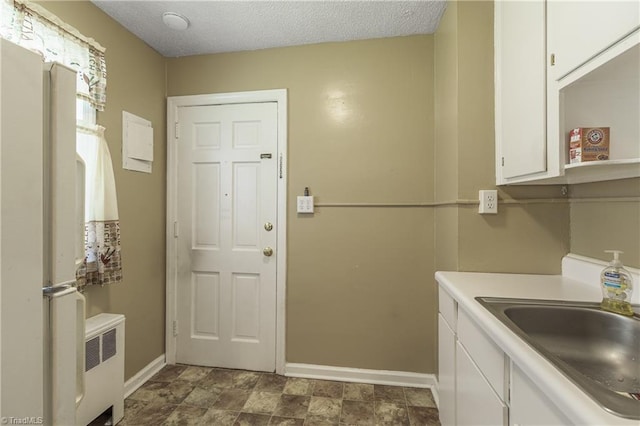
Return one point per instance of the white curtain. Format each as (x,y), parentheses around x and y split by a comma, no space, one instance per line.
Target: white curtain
(102,263)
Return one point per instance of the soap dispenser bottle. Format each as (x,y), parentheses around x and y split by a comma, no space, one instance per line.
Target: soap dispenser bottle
(616,286)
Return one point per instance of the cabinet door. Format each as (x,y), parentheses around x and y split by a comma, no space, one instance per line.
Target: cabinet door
(577,31)
(447,307)
(476,402)
(489,358)
(446,372)
(520,87)
(529,406)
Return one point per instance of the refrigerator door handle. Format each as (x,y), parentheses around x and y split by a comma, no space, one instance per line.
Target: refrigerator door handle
(81,304)
(58,290)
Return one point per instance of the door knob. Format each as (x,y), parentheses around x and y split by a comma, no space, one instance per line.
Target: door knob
(268,226)
(267,251)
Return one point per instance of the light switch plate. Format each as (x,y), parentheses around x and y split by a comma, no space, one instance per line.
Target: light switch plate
(305,204)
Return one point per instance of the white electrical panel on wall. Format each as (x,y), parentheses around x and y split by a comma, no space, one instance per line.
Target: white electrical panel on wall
(137,143)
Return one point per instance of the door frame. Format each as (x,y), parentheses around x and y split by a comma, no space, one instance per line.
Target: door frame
(173,103)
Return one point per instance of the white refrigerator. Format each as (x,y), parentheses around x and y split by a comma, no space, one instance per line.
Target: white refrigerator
(41,194)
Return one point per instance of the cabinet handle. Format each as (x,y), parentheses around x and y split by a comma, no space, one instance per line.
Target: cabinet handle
(553,59)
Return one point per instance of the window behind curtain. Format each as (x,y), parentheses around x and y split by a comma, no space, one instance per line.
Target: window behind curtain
(86,139)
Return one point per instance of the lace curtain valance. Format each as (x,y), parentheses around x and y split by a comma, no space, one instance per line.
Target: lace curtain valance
(33,27)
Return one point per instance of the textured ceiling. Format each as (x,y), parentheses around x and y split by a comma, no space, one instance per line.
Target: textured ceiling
(229,26)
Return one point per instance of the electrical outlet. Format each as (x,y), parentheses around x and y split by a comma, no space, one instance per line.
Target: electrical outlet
(488,201)
(305,204)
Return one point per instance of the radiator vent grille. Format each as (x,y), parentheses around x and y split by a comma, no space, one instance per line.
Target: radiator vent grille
(92,351)
(108,344)
(106,341)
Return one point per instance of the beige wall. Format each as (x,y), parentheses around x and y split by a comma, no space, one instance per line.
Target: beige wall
(522,237)
(606,215)
(135,83)
(359,288)
(526,236)
(446,106)
(446,140)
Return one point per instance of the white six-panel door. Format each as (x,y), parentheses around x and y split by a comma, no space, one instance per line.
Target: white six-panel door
(226,237)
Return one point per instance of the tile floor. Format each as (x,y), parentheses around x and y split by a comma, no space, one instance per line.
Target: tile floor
(188,395)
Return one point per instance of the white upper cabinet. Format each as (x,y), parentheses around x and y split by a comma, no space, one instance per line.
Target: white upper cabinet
(605,92)
(577,31)
(520,86)
(594,82)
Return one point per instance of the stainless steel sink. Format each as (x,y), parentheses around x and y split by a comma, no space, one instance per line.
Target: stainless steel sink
(599,351)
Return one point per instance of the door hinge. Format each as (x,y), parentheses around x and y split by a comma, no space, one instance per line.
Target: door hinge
(502,161)
(175,229)
(281,166)
(177,130)
(553,59)
(175,328)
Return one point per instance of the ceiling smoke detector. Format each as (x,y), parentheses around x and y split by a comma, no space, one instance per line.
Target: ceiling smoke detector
(175,21)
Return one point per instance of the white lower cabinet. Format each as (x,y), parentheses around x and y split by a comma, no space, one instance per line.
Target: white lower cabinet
(477,382)
(446,372)
(529,406)
(489,358)
(476,401)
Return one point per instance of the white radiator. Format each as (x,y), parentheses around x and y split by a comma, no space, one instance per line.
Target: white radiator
(104,368)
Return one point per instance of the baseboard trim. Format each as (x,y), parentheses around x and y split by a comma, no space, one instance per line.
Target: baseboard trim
(143,375)
(360,375)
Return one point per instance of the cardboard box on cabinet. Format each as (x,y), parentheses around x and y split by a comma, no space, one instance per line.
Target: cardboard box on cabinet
(588,144)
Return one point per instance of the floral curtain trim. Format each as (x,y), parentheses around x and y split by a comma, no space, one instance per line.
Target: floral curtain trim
(102,263)
(33,27)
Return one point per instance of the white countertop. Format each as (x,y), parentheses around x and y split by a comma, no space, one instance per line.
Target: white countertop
(465,286)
